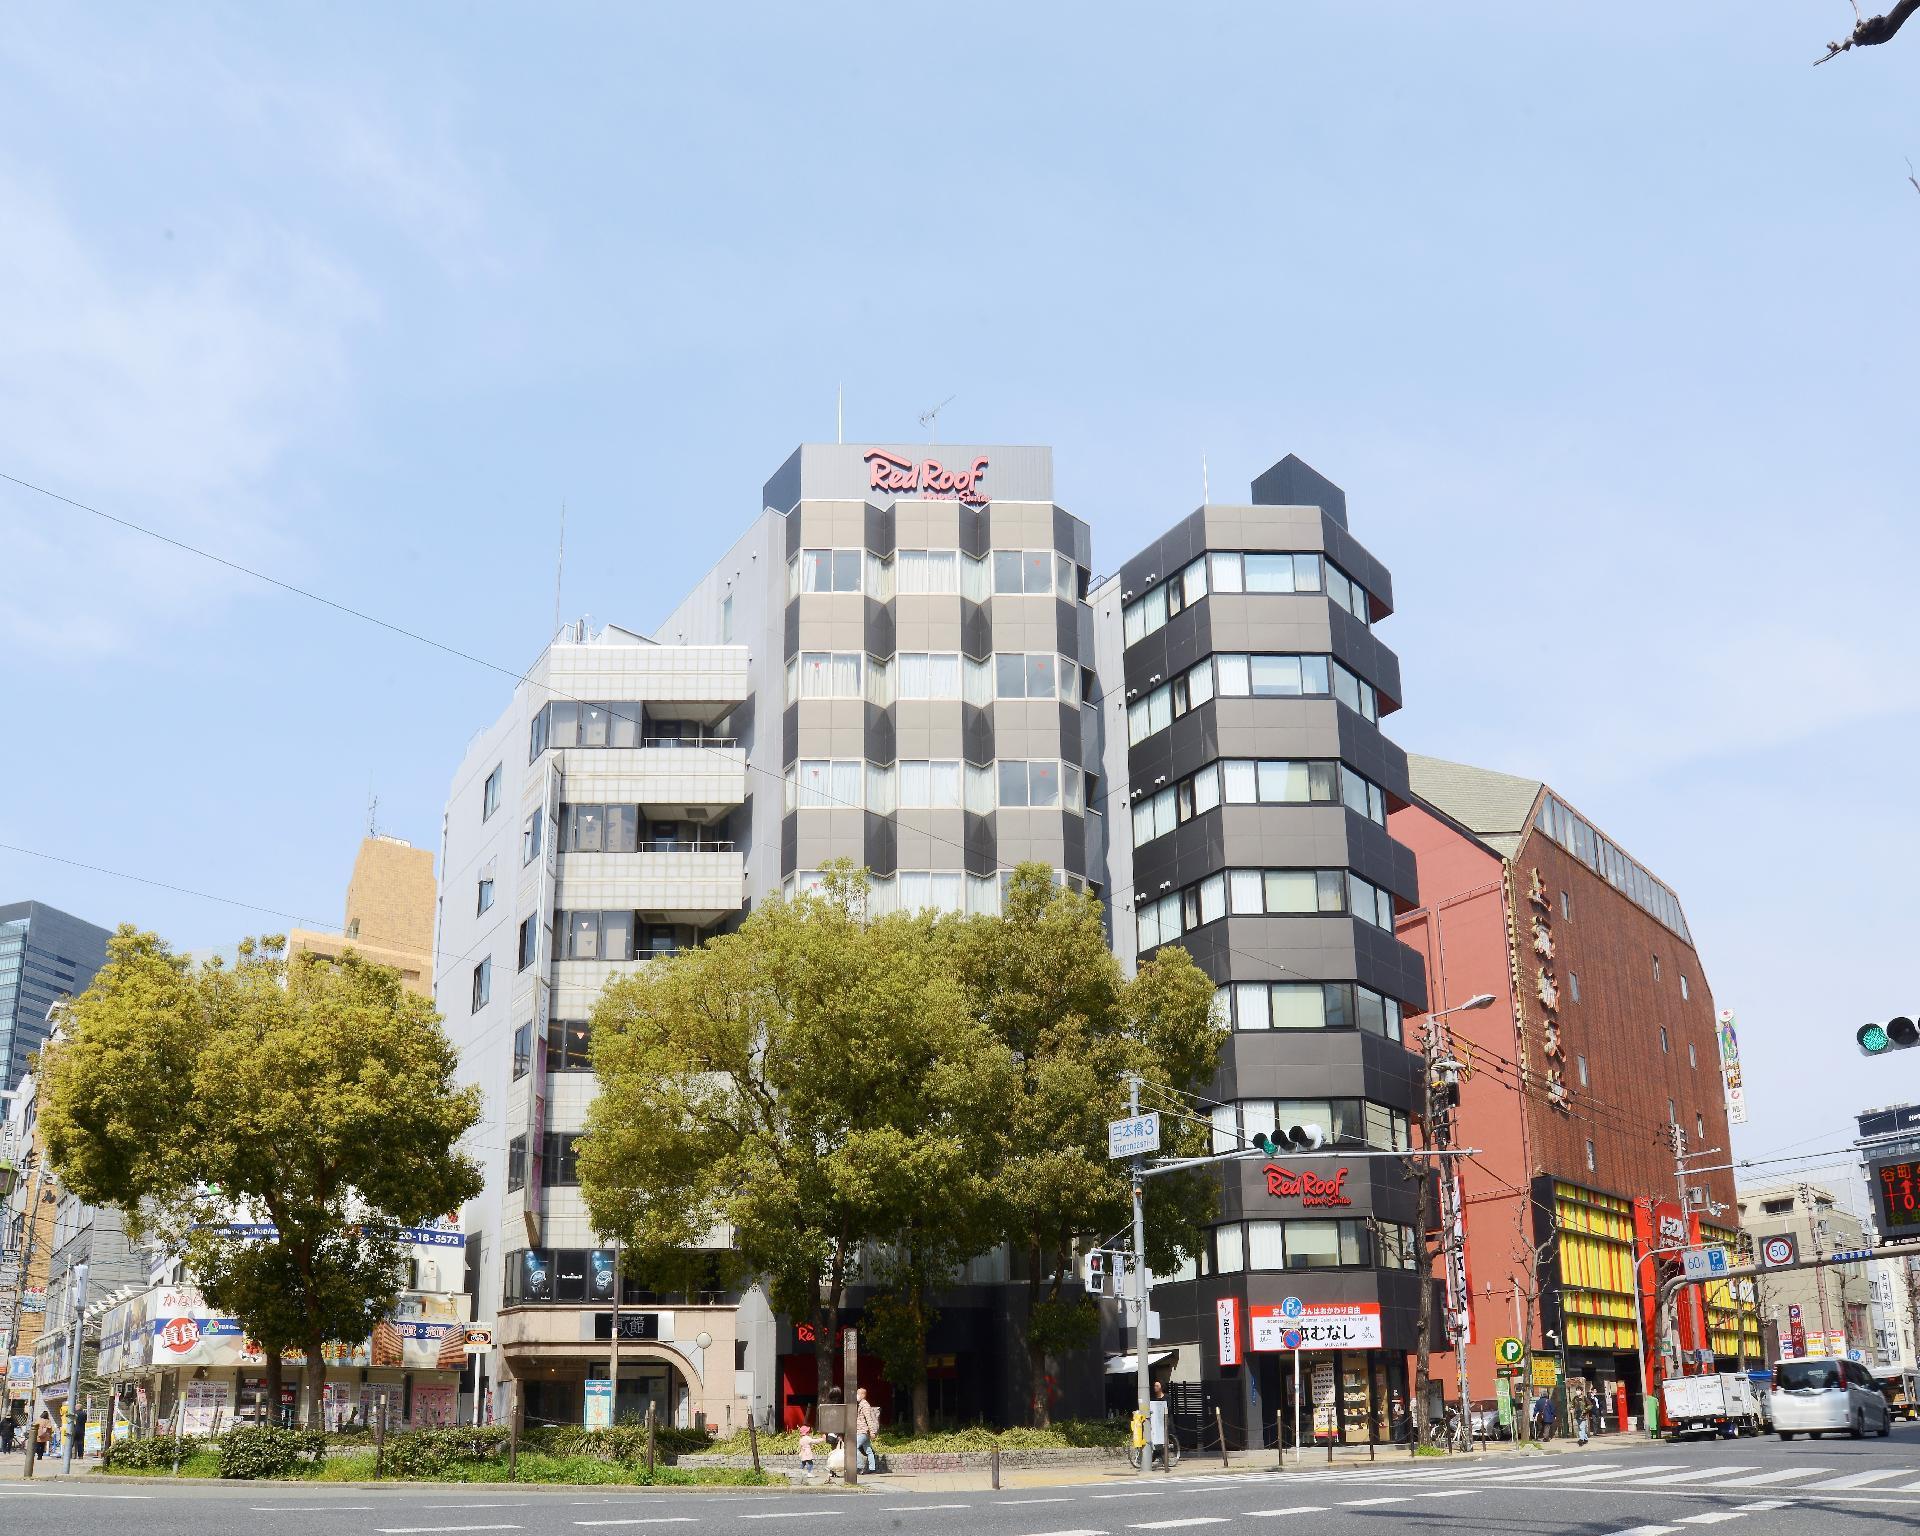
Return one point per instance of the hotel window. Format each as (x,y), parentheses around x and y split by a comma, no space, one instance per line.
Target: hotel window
(831,570)
(1684,994)
(1024,570)
(1035,783)
(537,735)
(1030,675)
(1573,984)
(530,837)
(1700,1128)
(1663,1039)
(482,984)
(1580,1063)
(1566,907)
(816,784)
(929,786)
(926,675)
(490,793)
(529,941)
(826,675)
(1693,1059)
(936,890)
(485,897)
(522,1051)
(1656,967)
(1256,1005)
(516,1164)
(1590,1166)
(926,570)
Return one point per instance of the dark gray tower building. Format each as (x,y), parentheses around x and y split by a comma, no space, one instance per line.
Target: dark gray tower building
(1244,689)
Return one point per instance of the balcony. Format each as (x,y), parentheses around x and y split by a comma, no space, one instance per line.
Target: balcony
(682,881)
(687,777)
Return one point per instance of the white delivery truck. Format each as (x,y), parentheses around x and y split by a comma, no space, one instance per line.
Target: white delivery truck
(1724,1404)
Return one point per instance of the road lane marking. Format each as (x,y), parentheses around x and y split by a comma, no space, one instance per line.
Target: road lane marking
(1059,1500)
(1179,1525)
(424,1530)
(1697,1474)
(1765,1504)
(1069,1533)
(895,1509)
(1658,1466)
(1143,1493)
(304,1509)
(1646,1530)
(1856,1480)
(1711,1517)
(1772,1477)
(1392,1498)
(1297,1509)
(643,1520)
(1447,1493)
(788,1514)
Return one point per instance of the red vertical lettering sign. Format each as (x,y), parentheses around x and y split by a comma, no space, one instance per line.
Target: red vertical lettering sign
(1227,1316)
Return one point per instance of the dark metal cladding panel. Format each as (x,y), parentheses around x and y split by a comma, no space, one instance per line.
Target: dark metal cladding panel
(791,629)
(976,629)
(1295,483)
(880,735)
(789,734)
(879,627)
(879,532)
(1073,837)
(882,858)
(982,847)
(789,842)
(976,733)
(1070,744)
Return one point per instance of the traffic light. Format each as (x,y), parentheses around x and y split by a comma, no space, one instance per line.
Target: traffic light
(1097,1273)
(1298,1138)
(1894,1035)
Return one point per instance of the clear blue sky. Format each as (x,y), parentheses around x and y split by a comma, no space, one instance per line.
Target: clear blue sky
(1604,316)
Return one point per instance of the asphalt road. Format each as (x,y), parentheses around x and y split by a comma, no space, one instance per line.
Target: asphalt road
(1751,1487)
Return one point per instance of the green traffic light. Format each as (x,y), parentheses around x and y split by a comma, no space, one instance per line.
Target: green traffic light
(1873,1039)
(1266,1144)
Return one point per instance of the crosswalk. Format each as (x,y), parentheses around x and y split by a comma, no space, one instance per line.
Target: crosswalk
(1652,1476)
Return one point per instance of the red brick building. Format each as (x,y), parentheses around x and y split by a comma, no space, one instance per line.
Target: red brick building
(1602,1037)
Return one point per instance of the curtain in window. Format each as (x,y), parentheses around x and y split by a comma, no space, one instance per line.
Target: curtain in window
(1290,890)
(1231,675)
(1299,1005)
(1266,1245)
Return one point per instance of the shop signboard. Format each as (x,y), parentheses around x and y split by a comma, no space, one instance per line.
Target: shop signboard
(1326,1421)
(1730,1070)
(1546,1371)
(1226,1312)
(20,1370)
(598,1412)
(1503,1398)
(1315,1325)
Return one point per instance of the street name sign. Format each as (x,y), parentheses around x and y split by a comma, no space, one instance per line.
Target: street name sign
(1133,1136)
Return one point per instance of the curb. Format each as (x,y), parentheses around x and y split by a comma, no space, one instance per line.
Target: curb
(704,1489)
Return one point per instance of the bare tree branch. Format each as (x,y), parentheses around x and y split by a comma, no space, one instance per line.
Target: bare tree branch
(1871,30)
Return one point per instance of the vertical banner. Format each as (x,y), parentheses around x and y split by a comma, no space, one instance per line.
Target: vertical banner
(1227,1318)
(1459,1286)
(1730,1069)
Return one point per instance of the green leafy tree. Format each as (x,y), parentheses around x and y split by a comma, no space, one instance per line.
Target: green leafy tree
(812,1085)
(1041,977)
(317,1095)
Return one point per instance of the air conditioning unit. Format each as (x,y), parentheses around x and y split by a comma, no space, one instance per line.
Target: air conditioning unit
(1697,1198)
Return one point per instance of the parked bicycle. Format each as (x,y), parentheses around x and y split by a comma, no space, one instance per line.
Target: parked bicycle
(1171,1459)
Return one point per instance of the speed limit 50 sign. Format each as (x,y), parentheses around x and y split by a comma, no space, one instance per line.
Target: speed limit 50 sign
(1775,1251)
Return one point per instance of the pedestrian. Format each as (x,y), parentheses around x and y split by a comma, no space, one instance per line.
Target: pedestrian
(1577,1410)
(807,1439)
(1548,1413)
(836,1455)
(80,1431)
(8,1429)
(1599,1413)
(866,1424)
(43,1437)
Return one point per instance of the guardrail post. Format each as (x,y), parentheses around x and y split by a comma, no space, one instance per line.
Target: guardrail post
(1220,1429)
(996,1469)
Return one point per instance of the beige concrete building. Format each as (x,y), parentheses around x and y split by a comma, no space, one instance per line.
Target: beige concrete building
(1833,1304)
(390,901)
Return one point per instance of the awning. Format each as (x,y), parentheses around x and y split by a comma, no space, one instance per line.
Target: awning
(1128,1365)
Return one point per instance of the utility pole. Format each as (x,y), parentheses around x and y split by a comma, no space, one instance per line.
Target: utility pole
(613,1348)
(1819,1275)
(1677,1140)
(73,1376)
(1142,1372)
(1443,1097)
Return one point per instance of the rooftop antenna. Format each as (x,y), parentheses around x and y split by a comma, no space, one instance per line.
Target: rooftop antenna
(373,814)
(560,568)
(1203,477)
(930,419)
(840,414)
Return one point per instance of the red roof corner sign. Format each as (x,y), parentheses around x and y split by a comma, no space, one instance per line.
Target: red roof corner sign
(927,477)
(1307,1188)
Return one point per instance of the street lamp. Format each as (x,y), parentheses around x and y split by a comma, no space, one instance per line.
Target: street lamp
(1478,1000)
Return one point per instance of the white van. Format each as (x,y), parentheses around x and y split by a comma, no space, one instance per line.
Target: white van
(1826,1395)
